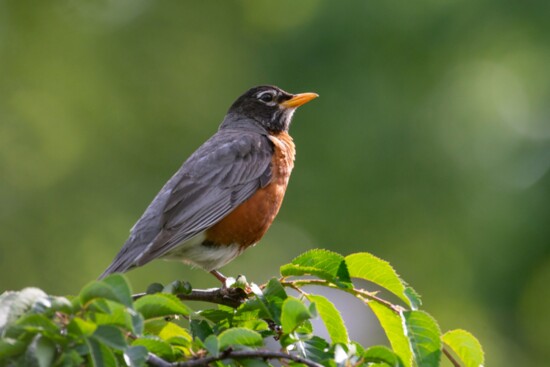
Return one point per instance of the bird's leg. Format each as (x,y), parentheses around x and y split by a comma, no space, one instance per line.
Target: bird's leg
(222,278)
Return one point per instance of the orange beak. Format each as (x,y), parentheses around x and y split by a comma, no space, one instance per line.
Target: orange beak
(299,99)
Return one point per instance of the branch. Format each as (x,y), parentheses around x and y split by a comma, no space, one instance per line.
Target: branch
(231,354)
(232,297)
(356,292)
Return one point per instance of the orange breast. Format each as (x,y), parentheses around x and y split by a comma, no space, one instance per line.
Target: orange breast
(247,224)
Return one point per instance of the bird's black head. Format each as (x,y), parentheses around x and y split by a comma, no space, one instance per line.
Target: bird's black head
(269,106)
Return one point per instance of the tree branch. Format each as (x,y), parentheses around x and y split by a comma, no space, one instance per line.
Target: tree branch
(356,292)
(231,354)
(232,297)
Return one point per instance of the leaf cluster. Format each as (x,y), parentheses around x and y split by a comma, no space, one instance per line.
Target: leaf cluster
(106,326)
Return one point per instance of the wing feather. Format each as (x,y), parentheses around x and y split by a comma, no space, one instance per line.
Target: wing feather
(223,173)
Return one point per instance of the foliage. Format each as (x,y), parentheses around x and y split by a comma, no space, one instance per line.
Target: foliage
(106,326)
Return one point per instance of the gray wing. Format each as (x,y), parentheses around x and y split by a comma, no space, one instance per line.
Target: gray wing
(224,172)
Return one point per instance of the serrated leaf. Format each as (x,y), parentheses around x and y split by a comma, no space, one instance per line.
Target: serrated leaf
(156,346)
(239,336)
(424,338)
(100,354)
(381,354)
(111,336)
(331,318)
(392,324)
(294,313)
(160,305)
(465,346)
(414,298)
(121,288)
(136,356)
(369,267)
(324,264)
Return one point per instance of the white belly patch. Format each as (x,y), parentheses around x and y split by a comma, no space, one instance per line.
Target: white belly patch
(209,257)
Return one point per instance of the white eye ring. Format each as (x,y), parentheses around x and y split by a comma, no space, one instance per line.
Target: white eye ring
(266,97)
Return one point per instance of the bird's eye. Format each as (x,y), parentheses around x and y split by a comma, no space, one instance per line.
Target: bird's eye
(266,97)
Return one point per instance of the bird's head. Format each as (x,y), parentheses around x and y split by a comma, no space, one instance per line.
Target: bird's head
(269,106)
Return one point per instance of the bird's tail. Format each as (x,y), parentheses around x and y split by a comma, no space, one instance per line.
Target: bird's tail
(121,264)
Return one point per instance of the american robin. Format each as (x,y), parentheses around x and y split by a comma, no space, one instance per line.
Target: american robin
(226,194)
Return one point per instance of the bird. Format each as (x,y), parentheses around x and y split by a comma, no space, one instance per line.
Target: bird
(226,195)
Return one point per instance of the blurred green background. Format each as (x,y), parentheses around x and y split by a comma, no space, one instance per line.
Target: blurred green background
(429,145)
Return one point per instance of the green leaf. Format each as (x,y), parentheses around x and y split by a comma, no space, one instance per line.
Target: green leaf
(239,336)
(178,287)
(160,305)
(331,318)
(269,308)
(99,289)
(465,346)
(81,327)
(154,288)
(216,315)
(111,336)
(70,358)
(11,347)
(38,323)
(324,264)
(101,355)
(381,354)
(212,345)
(392,324)
(156,346)
(274,289)
(137,322)
(317,349)
(172,330)
(424,338)
(369,267)
(200,329)
(121,288)
(293,314)
(40,352)
(136,356)
(414,298)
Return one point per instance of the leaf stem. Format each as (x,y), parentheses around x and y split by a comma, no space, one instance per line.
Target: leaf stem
(450,357)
